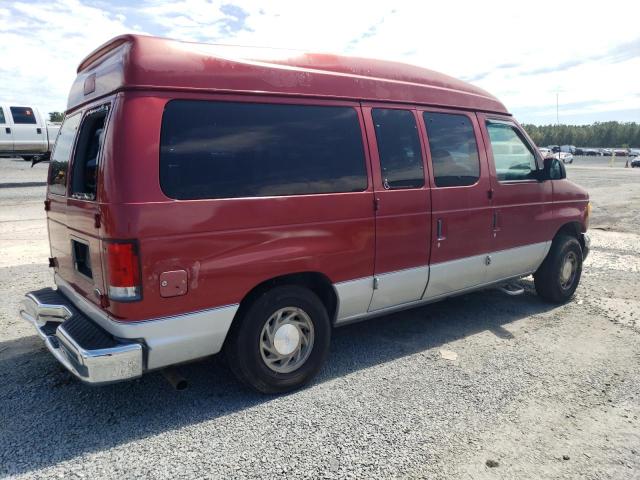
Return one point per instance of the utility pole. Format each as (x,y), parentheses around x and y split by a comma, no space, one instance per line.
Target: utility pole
(557,109)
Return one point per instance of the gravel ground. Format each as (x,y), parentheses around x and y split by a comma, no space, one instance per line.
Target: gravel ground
(482,386)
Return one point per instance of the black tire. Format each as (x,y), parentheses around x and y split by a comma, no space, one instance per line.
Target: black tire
(550,279)
(243,347)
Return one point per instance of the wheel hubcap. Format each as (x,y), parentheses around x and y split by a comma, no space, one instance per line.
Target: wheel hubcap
(286,340)
(568,270)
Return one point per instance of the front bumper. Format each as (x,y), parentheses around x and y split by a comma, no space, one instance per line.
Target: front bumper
(84,348)
(586,246)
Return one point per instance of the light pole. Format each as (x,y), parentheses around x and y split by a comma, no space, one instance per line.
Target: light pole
(557,109)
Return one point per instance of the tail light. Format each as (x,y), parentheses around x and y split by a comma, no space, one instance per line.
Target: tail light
(123,271)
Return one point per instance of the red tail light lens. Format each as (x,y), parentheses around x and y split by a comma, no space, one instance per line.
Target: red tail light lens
(123,271)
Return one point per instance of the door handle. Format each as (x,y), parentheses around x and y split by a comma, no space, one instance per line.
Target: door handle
(495,223)
(439,230)
(38,131)
(7,129)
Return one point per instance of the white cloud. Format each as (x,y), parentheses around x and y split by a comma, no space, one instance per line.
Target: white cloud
(43,44)
(584,50)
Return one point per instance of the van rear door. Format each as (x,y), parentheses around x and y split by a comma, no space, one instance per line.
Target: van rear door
(74,212)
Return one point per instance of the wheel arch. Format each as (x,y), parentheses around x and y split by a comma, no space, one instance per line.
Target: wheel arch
(317,282)
(572,229)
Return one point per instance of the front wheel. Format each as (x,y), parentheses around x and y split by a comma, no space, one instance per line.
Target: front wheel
(559,275)
(281,340)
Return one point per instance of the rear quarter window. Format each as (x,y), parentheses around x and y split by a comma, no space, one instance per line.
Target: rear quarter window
(2,120)
(233,149)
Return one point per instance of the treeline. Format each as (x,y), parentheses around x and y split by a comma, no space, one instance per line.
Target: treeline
(599,134)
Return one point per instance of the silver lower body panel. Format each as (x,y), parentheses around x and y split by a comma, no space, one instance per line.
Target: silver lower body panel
(166,340)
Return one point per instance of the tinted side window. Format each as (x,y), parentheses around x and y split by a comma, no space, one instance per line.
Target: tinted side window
(2,120)
(399,148)
(61,153)
(85,162)
(22,115)
(512,156)
(453,147)
(228,149)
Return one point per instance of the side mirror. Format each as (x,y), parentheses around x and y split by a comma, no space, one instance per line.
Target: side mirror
(553,169)
(45,157)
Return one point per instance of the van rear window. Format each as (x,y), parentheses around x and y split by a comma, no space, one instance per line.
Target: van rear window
(232,149)
(61,154)
(89,146)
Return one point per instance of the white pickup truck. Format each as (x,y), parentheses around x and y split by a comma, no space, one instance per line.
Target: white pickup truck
(24,132)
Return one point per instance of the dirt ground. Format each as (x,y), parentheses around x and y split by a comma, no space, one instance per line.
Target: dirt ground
(481,386)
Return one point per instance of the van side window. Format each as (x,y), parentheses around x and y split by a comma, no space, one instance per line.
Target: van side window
(23,115)
(399,148)
(232,149)
(512,156)
(453,147)
(85,160)
(61,154)
(2,120)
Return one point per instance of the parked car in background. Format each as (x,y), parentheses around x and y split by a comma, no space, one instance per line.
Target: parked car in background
(606,152)
(554,148)
(591,152)
(634,152)
(564,157)
(568,149)
(24,132)
(635,162)
(621,152)
(182,221)
(545,152)
(579,151)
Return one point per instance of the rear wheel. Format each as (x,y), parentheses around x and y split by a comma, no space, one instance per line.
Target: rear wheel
(281,340)
(559,275)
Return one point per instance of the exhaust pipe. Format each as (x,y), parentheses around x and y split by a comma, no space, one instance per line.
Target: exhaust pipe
(177,381)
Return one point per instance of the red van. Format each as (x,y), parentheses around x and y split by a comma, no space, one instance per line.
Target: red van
(208,198)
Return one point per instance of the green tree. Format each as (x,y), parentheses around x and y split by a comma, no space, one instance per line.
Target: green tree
(599,134)
(56,116)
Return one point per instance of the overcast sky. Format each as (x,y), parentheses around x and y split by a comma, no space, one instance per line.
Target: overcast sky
(522,52)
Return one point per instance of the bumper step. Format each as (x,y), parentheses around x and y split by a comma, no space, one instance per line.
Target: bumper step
(85,349)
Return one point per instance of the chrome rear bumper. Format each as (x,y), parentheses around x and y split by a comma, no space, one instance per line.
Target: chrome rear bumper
(85,349)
